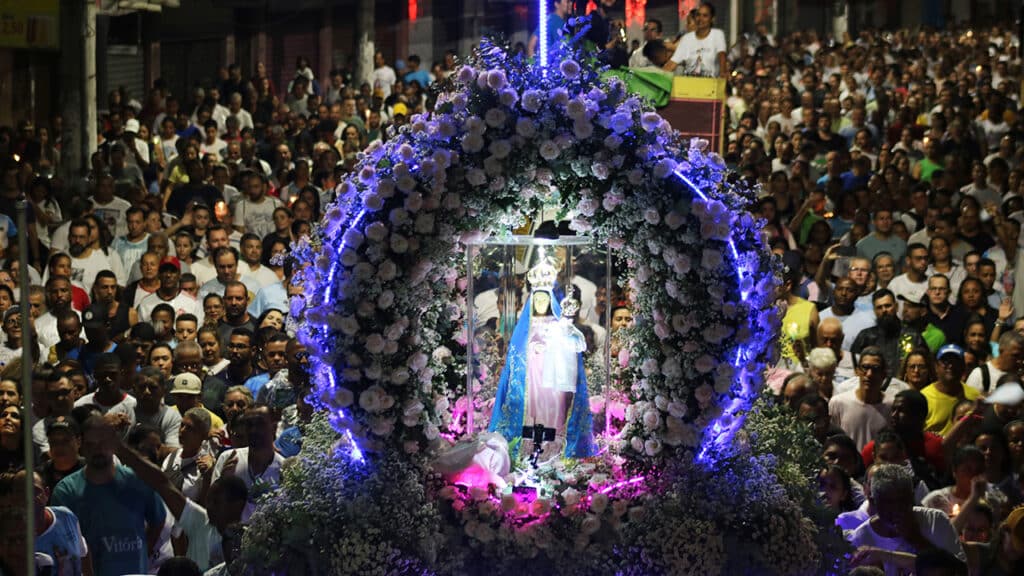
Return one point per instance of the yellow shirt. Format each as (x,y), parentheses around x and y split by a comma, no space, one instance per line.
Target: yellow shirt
(940,408)
(215,421)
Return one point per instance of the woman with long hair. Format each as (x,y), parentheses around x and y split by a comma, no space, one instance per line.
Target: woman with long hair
(971,296)
(918,368)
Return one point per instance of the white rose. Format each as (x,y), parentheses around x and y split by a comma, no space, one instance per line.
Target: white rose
(598,503)
(374,343)
(387,271)
(343,397)
(377,231)
(399,244)
(414,202)
(652,446)
(590,525)
(386,299)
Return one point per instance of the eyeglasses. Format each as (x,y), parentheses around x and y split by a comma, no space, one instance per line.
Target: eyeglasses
(300,356)
(870,367)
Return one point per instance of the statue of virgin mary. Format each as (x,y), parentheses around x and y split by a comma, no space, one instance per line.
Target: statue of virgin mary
(536,386)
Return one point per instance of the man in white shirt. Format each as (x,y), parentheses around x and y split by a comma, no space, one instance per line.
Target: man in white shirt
(135,242)
(898,530)
(864,411)
(255,213)
(652,31)
(109,208)
(235,109)
(226,260)
(251,254)
(86,263)
(205,269)
(170,293)
(984,377)
(913,283)
(383,76)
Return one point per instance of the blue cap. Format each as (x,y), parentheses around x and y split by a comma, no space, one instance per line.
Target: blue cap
(950,349)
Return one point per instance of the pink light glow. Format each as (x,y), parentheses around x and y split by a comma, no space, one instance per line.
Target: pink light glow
(636,12)
(624,483)
(476,476)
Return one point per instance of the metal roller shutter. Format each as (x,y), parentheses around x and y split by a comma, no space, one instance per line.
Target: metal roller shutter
(125,67)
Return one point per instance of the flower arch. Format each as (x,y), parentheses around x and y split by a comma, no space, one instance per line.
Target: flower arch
(506,140)
(385,304)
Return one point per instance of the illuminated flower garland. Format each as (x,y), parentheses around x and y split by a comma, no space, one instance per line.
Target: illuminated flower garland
(386,296)
(384,310)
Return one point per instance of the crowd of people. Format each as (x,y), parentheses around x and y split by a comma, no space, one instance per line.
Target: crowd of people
(168,386)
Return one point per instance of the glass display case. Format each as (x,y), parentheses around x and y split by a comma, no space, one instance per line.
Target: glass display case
(538,362)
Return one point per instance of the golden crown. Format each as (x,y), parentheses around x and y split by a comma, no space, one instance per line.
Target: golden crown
(542,276)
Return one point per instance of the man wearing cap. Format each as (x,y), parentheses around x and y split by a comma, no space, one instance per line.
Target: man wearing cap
(888,333)
(947,390)
(170,293)
(913,283)
(64,443)
(1011,354)
(914,312)
(187,390)
(138,150)
(11,347)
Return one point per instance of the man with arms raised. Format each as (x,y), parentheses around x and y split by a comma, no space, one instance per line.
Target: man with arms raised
(121,517)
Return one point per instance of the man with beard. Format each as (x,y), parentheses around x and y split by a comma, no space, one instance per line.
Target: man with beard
(86,263)
(121,517)
(236,313)
(1011,353)
(913,283)
(950,318)
(149,388)
(239,357)
(914,312)
(948,390)
(894,339)
(170,293)
(274,358)
(844,296)
(58,303)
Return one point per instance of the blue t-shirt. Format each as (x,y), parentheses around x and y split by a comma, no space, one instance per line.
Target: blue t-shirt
(420,76)
(256,382)
(63,542)
(555,25)
(113,517)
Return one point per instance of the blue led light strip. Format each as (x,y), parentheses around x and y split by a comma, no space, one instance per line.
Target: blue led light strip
(542,35)
(356,452)
(721,432)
